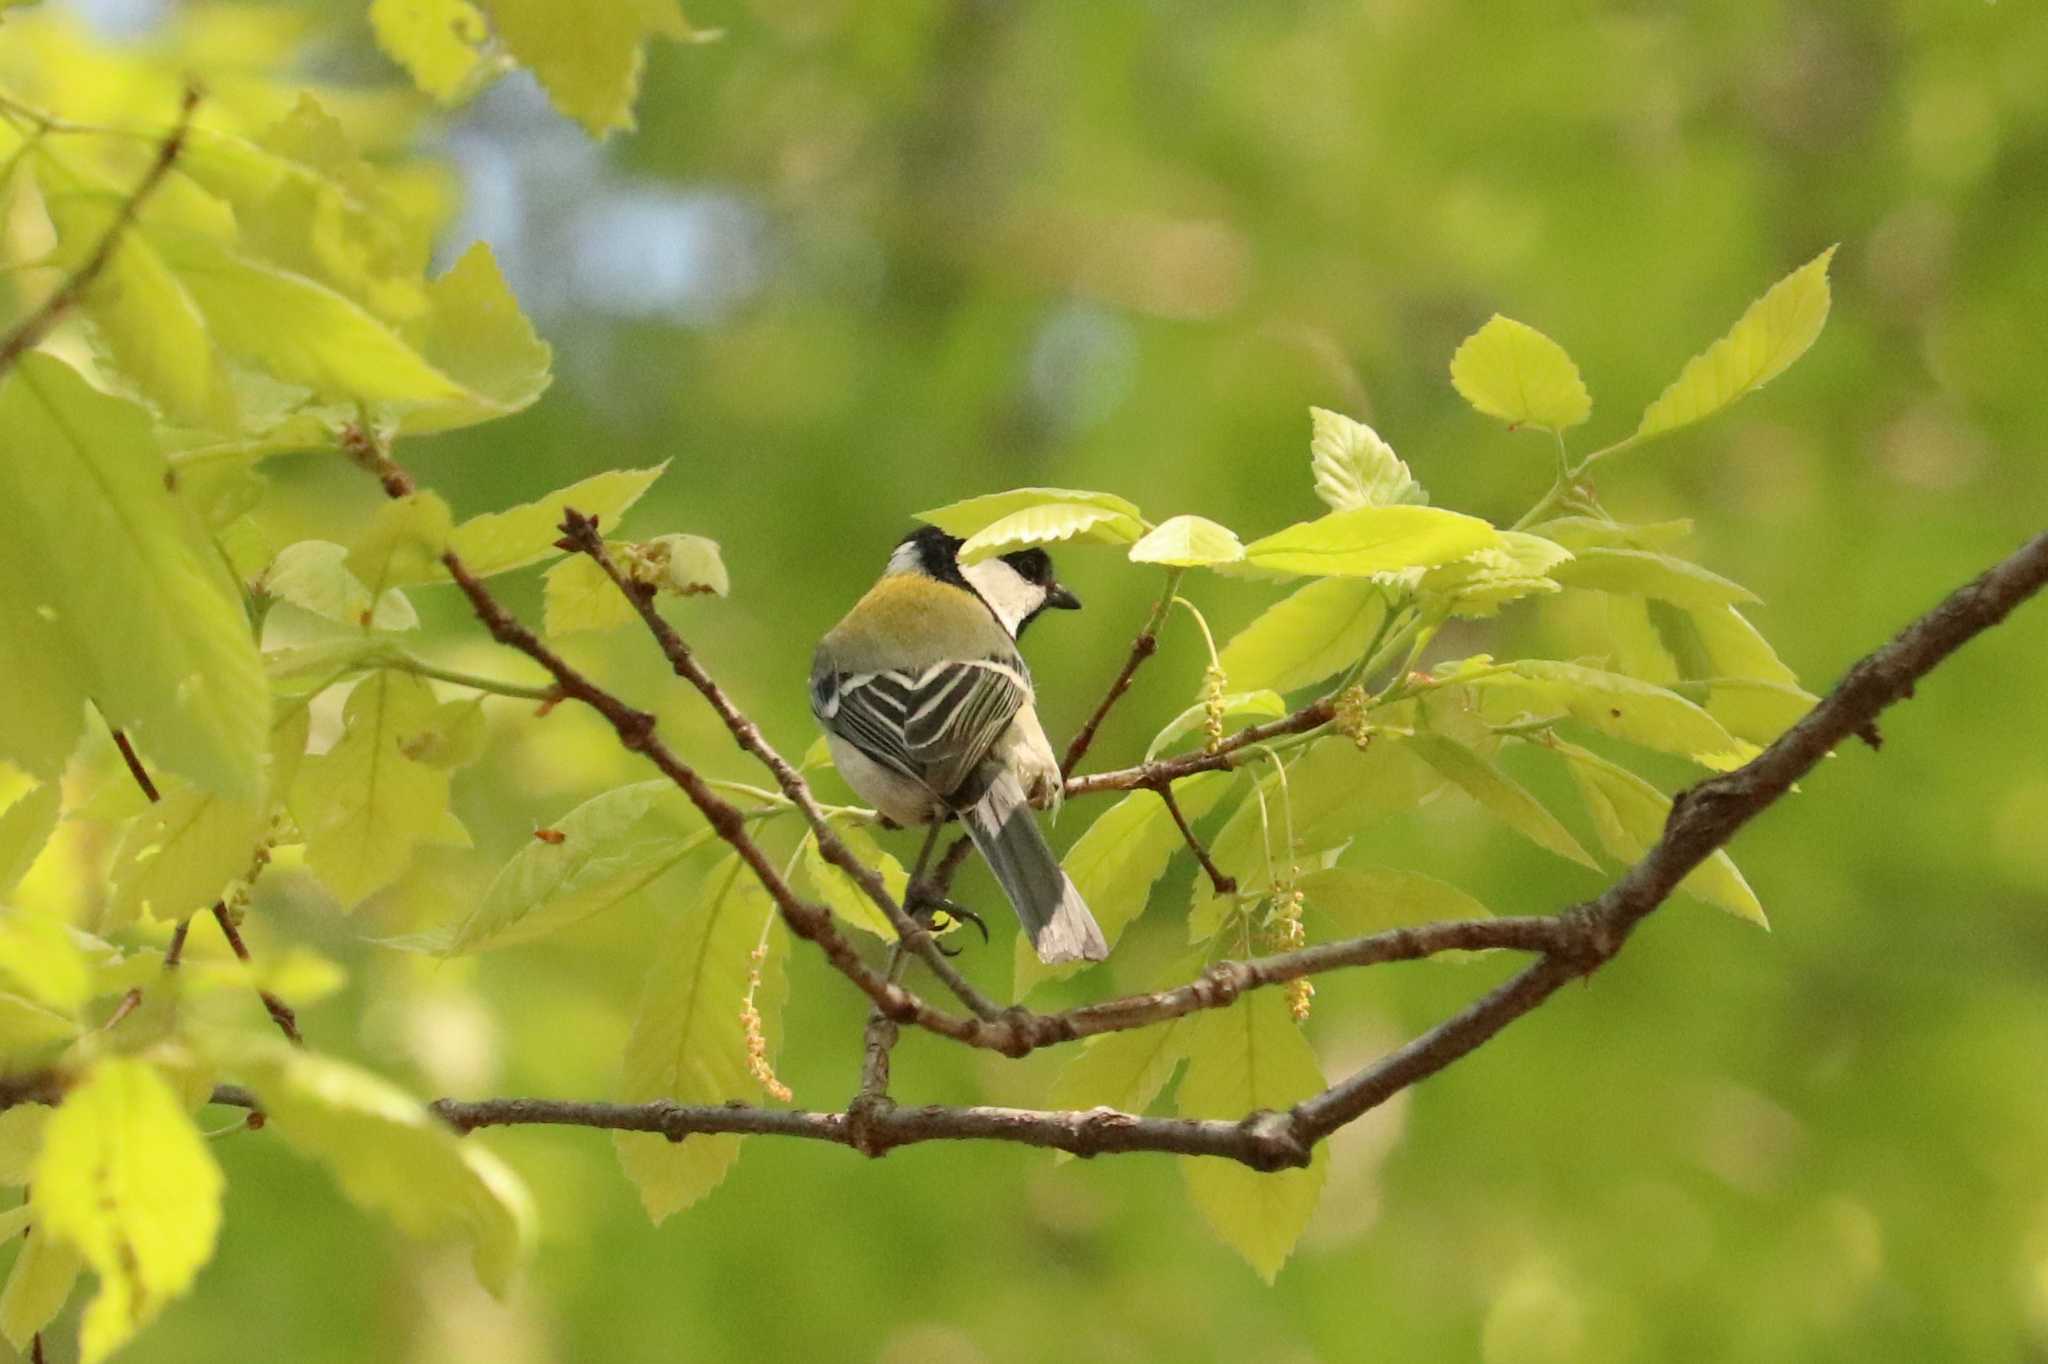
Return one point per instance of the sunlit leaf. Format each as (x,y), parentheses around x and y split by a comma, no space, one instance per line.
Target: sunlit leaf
(1048,522)
(39,959)
(1772,333)
(314,576)
(126,1180)
(499,541)
(1234,705)
(1301,639)
(1368,540)
(25,826)
(588,56)
(1629,814)
(21,1137)
(1486,580)
(180,855)
(842,894)
(392,1156)
(1500,795)
(1354,902)
(1510,371)
(403,543)
(113,586)
(1241,1059)
(1188,542)
(1577,533)
(1624,707)
(688,1043)
(42,1278)
(1643,573)
(438,42)
(682,565)
(1354,468)
(1121,1070)
(474,333)
(577,595)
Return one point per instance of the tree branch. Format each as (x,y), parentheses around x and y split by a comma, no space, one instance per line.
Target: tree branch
(33,328)
(1150,776)
(1225,885)
(1142,648)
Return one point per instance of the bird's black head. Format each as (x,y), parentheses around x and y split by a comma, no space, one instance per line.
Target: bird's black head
(930,551)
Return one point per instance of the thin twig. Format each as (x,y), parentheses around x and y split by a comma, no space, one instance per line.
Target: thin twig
(1225,885)
(135,767)
(1230,753)
(1142,648)
(67,295)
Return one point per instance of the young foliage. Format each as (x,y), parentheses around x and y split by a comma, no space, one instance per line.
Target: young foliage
(1353,467)
(1510,371)
(1188,542)
(1772,332)
(1315,633)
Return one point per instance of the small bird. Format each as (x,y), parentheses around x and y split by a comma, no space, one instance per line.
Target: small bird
(927,708)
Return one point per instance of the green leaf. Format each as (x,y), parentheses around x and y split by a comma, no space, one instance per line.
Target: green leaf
(976,514)
(114,587)
(577,595)
(1316,633)
(152,327)
(682,565)
(314,576)
(1354,902)
(1367,540)
(1117,861)
(1772,333)
(37,1287)
(367,803)
(38,958)
(439,43)
(403,543)
(125,1179)
(1645,574)
(1751,691)
(1265,703)
(1188,542)
(25,828)
(1500,795)
(1121,1070)
(392,1156)
(21,1136)
(688,1043)
(181,854)
(29,1029)
(1354,468)
(842,894)
(1482,582)
(1580,533)
(497,542)
(1629,814)
(1624,707)
(588,56)
(474,333)
(1510,371)
(1047,522)
(1242,1059)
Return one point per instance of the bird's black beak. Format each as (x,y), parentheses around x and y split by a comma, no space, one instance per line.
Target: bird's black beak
(1059,597)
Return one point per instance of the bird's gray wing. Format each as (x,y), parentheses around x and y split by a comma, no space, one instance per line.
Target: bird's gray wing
(932,724)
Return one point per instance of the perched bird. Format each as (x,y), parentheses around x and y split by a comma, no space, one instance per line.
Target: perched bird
(927,708)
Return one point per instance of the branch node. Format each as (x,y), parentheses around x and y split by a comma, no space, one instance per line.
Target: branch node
(1275,1142)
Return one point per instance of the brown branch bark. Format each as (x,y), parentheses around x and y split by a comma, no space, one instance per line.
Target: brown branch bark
(1143,647)
(1151,776)
(1225,885)
(33,328)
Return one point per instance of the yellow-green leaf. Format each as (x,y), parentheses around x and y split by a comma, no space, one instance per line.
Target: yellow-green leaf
(1233,705)
(1353,467)
(688,1043)
(1577,533)
(497,542)
(21,1137)
(1121,1070)
(313,575)
(842,894)
(589,55)
(577,595)
(1772,333)
(1643,573)
(403,543)
(1624,707)
(37,1287)
(112,584)
(1510,371)
(1301,639)
(439,43)
(25,827)
(1501,796)
(1629,814)
(38,958)
(1047,522)
(682,565)
(392,1156)
(1353,902)
(474,333)
(1188,542)
(1368,540)
(125,1179)
(180,855)
(1486,580)
(1248,1057)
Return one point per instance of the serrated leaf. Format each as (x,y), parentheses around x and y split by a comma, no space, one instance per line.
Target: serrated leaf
(498,542)
(314,575)
(403,543)
(125,1179)
(688,1043)
(37,1287)
(1482,582)
(588,56)
(1232,706)
(439,43)
(1116,862)
(1316,633)
(842,894)
(1368,540)
(392,1156)
(366,804)
(577,595)
(1354,902)
(474,333)
(978,513)
(1046,523)
(1510,371)
(1248,1057)
(1188,542)
(114,588)
(1772,332)
(1643,573)
(1501,796)
(180,855)
(25,827)
(1629,814)
(1353,467)
(1624,707)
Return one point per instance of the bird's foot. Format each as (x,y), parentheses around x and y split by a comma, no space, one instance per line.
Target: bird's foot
(925,903)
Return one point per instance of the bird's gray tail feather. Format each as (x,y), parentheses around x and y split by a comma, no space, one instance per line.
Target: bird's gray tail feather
(1005,829)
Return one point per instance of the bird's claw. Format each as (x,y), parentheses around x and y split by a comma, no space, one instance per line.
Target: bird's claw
(924,902)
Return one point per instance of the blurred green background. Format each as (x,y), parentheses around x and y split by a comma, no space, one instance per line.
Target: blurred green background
(863,260)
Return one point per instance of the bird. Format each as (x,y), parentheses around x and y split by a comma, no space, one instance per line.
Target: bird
(927,708)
